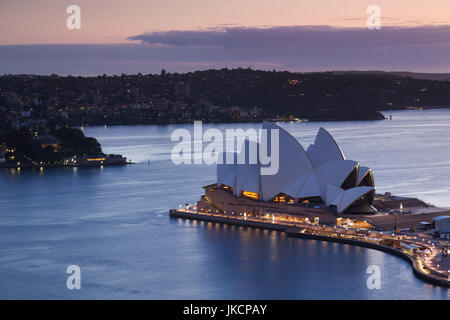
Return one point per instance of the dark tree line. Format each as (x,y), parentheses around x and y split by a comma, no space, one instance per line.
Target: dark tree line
(28,150)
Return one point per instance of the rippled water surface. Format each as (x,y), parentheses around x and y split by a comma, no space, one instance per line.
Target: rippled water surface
(114,222)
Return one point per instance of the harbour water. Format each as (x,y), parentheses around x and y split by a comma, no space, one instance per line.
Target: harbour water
(113,222)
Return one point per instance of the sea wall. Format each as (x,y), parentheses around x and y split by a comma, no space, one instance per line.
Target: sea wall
(294,231)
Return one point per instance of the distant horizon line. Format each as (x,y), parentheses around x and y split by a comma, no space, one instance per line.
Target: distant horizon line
(368,71)
(309,49)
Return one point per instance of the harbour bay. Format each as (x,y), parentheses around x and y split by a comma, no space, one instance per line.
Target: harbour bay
(114,223)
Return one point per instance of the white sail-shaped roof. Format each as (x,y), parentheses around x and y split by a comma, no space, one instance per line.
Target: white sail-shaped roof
(324,149)
(335,173)
(363,172)
(310,188)
(293,163)
(334,195)
(343,199)
(294,189)
(351,195)
(248,174)
(247,178)
(226,173)
(322,171)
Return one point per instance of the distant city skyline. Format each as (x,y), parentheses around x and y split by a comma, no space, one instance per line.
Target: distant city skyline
(146,36)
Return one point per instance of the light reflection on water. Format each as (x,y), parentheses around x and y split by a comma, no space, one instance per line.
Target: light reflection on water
(114,222)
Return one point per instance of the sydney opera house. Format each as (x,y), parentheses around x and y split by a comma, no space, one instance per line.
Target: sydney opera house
(318,184)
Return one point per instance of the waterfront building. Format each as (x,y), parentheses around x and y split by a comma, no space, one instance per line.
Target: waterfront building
(442,226)
(317,184)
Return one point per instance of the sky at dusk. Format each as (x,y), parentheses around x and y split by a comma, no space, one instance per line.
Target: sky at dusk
(185,35)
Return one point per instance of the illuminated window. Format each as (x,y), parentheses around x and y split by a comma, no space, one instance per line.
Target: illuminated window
(225,187)
(251,195)
(279,199)
(284,198)
(96,159)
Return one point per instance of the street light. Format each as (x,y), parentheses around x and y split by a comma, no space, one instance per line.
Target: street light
(395,221)
(395,216)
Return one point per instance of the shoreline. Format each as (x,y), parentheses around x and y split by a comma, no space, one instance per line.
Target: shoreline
(168,123)
(22,166)
(296,231)
(382,112)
